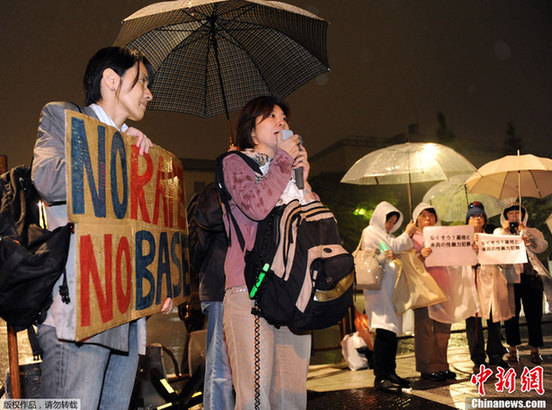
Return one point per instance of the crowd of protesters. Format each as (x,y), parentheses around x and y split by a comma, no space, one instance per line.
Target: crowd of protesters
(491,292)
(100,371)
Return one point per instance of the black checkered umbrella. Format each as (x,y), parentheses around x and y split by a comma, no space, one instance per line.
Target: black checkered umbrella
(211,57)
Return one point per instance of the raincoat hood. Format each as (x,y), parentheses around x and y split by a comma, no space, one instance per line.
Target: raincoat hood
(378,217)
(422,206)
(525,217)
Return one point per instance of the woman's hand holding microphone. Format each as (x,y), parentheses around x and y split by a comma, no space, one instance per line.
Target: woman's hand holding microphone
(293,145)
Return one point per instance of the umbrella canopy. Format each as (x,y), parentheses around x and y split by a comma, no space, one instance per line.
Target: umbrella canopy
(407,163)
(513,176)
(211,57)
(451,199)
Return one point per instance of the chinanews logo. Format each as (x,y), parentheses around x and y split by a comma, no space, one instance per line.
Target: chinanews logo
(507,403)
(531,379)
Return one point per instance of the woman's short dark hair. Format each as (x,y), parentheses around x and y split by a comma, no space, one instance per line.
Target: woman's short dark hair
(249,113)
(431,211)
(391,215)
(119,59)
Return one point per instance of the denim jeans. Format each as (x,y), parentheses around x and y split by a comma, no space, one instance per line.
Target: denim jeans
(100,377)
(217,389)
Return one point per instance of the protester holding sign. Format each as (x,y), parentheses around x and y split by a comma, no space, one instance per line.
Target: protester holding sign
(381,312)
(100,370)
(529,287)
(432,324)
(492,290)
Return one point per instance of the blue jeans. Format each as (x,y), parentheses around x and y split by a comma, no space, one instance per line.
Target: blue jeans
(217,389)
(100,377)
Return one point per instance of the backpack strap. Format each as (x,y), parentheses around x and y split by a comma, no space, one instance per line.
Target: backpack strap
(64,289)
(35,345)
(219,175)
(225,195)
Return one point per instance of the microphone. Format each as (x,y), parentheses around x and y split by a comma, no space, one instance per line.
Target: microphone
(298,171)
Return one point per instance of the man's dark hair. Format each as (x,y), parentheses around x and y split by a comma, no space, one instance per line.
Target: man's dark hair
(119,59)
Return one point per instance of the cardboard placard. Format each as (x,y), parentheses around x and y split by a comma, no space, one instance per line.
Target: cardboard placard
(131,233)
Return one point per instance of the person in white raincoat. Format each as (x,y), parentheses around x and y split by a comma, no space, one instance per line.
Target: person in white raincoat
(492,291)
(533,278)
(432,324)
(385,220)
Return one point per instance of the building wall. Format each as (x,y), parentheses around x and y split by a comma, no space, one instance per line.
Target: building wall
(339,157)
(343,154)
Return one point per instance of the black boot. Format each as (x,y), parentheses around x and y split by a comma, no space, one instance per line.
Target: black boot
(386,385)
(395,378)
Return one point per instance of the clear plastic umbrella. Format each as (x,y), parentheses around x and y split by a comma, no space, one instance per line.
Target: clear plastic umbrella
(408,163)
(451,199)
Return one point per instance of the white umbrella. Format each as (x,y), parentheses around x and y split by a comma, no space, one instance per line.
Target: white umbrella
(407,163)
(451,199)
(513,176)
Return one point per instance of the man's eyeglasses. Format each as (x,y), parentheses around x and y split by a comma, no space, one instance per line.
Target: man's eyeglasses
(476,216)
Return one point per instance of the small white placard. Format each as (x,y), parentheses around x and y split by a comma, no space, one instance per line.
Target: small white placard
(450,245)
(501,249)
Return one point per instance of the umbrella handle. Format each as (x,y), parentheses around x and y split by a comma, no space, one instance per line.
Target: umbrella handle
(409,184)
(230,136)
(519,189)
(215,49)
(409,187)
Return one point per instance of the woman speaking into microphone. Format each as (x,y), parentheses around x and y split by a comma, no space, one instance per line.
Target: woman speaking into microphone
(285,354)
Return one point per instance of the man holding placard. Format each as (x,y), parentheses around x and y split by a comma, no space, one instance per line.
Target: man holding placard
(91,349)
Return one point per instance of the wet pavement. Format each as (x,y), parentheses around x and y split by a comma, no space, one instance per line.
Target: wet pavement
(334,386)
(367,398)
(331,385)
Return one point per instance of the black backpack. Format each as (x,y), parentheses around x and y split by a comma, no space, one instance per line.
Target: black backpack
(207,243)
(31,258)
(298,272)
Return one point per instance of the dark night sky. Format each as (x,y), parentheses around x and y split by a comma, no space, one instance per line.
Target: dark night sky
(393,62)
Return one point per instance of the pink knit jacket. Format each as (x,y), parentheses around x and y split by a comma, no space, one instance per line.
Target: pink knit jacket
(251,202)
